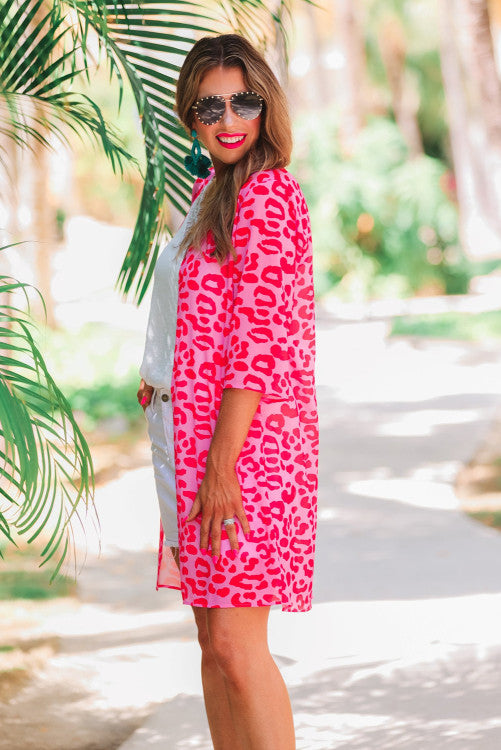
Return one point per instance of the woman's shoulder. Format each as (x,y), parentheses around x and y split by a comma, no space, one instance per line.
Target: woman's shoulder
(200,183)
(274,186)
(267,181)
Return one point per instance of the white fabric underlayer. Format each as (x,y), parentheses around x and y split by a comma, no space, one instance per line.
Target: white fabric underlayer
(159,416)
(158,358)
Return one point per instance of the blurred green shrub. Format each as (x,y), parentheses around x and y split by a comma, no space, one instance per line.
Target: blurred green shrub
(478,326)
(383,224)
(107,401)
(98,370)
(29,584)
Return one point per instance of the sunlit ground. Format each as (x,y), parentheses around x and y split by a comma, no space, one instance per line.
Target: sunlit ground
(402,647)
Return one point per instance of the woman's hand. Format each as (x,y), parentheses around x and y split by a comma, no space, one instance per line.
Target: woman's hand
(219,497)
(144,394)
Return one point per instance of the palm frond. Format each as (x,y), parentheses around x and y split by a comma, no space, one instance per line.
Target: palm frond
(144,41)
(34,78)
(148,40)
(46,472)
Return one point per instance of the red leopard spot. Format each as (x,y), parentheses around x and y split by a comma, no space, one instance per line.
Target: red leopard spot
(240,325)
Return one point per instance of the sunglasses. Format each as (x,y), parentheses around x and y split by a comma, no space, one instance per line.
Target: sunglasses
(246,104)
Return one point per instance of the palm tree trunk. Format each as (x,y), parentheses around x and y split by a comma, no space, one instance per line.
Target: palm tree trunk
(44,226)
(480,51)
(351,41)
(43,221)
(467,59)
(404,97)
(9,195)
(323,89)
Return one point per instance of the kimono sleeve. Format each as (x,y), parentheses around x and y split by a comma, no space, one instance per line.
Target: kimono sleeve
(258,340)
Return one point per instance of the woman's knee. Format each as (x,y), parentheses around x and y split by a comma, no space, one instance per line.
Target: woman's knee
(236,651)
(203,632)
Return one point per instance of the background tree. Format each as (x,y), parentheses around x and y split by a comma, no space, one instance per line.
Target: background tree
(46,471)
(473,93)
(350,33)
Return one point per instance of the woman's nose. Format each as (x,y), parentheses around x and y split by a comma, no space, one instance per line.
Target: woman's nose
(229,115)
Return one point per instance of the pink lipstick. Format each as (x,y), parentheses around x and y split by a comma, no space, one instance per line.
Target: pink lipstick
(234,139)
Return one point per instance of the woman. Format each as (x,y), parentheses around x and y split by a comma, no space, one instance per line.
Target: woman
(228,389)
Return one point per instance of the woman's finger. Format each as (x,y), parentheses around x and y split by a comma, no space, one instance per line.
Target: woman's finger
(204,533)
(195,509)
(244,523)
(231,533)
(144,394)
(215,537)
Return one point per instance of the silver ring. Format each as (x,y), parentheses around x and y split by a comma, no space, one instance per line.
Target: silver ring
(229,522)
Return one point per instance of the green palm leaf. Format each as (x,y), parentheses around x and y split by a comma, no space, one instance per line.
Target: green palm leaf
(148,40)
(46,474)
(35,73)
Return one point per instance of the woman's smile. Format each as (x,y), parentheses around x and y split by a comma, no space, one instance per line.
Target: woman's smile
(231,140)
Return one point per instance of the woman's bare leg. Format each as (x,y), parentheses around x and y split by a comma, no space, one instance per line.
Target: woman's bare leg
(258,698)
(217,704)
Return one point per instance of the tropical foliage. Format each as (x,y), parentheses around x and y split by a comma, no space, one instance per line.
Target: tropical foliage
(384,225)
(145,43)
(35,99)
(45,46)
(46,467)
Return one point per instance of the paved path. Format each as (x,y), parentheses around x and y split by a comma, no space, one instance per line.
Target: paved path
(402,649)
(403,646)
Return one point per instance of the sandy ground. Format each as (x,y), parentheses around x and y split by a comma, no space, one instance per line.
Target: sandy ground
(402,648)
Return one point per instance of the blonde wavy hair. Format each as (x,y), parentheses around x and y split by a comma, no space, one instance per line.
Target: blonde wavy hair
(272,149)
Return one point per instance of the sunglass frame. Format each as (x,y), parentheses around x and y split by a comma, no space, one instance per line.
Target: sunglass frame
(220,97)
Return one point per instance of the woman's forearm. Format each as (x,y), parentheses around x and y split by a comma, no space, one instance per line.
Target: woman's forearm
(236,412)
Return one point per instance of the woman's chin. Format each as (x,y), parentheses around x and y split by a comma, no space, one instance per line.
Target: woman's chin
(228,157)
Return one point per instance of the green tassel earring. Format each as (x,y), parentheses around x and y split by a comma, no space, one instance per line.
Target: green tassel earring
(196,163)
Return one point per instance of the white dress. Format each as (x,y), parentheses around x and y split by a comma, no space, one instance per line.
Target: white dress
(158,358)
(156,370)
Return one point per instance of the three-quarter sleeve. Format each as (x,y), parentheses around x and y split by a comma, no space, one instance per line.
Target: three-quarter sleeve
(264,236)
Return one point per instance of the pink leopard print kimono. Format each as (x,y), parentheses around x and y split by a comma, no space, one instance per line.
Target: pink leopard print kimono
(250,323)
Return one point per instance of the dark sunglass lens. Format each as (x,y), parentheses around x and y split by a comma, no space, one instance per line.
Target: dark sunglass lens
(210,110)
(247,105)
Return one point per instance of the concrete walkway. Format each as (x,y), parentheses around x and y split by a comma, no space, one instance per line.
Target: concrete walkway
(403,646)
(402,650)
